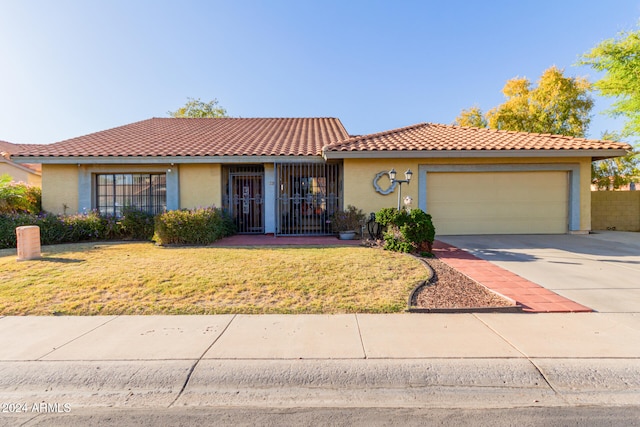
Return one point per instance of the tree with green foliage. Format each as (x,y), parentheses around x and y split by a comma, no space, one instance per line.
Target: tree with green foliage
(558,105)
(195,108)
(619,58)
(612,174)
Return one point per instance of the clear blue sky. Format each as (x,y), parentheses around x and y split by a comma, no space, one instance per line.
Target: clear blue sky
(72,67)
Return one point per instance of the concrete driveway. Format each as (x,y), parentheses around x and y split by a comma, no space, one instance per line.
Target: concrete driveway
(601,270)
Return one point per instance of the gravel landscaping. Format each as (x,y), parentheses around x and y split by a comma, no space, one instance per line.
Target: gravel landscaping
(451,289)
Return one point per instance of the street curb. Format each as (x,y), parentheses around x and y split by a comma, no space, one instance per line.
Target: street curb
(409,383)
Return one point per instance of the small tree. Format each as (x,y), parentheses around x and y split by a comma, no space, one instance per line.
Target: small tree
(619,58)
(557,105)
(473,117)
(195,108)
(612,174)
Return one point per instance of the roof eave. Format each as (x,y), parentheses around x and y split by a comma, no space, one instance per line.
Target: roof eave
(426,154)
(19,166)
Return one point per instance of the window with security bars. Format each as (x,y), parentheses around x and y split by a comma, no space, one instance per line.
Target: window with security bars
(144,191)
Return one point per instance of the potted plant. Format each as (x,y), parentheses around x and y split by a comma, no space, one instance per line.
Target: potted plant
(348,222)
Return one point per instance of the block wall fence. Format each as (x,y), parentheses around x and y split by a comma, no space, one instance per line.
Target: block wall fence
(619,210)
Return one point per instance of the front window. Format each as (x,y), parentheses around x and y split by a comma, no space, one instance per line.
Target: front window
(144,191)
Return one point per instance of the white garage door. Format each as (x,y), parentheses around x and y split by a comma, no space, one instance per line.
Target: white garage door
(498,202)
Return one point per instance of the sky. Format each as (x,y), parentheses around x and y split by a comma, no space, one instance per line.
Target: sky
(73,67)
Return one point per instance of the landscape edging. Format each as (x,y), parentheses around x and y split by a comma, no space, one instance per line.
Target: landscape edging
(412,309)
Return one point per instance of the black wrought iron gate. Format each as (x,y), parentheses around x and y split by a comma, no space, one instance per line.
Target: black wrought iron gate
(246,194)
(307,195)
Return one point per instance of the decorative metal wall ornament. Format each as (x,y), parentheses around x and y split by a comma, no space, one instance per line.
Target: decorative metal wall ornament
(388,190)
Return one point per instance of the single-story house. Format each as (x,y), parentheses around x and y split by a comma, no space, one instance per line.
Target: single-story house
(288,175)
(27,173)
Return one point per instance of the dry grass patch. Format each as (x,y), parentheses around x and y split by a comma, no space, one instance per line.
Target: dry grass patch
(141,278)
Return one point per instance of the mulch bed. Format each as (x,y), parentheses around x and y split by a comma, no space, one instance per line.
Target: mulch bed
(450,289)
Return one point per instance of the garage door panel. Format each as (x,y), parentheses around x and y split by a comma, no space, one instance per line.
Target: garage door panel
(498,202)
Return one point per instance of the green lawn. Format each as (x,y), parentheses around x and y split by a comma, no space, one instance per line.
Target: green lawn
(141,278)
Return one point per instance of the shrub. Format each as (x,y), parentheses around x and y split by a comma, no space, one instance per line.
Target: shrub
(350,219)
(112,228)
(411,231)
(197,227)
(54,229)
(135,224)
(18,197)
(387,216)
(82,227)
(192,227)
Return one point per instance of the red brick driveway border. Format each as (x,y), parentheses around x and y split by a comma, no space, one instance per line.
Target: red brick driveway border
(533,297)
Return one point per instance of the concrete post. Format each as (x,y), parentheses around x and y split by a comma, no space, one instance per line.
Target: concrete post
(28,242)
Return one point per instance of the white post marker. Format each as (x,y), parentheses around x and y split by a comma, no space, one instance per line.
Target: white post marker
(28,242)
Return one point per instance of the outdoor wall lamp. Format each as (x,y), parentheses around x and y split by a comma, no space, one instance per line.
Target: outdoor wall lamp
(392,175)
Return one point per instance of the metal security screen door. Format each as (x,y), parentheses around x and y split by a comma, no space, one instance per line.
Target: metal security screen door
(307,195)
(245,198)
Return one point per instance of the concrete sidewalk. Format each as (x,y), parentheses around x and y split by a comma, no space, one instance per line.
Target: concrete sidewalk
(399,360)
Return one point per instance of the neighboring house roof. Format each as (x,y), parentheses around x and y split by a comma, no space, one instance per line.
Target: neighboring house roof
(197,137)
(7,149)
(428,139)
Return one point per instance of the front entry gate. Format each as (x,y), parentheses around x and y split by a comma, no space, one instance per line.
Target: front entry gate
(245,198)
(308,194)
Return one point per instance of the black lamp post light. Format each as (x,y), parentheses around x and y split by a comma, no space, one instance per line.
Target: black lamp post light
(392,175)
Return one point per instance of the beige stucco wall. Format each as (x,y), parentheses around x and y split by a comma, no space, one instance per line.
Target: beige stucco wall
(34,179)
(200,185)
(359,175)
(60,188)
(20,174)
(358,183)
(615,209)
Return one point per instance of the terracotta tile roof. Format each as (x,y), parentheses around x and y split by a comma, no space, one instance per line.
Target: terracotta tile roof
(201,137)
(436,137)
(7,147)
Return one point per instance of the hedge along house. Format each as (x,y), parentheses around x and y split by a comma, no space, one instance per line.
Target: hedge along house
(288,176)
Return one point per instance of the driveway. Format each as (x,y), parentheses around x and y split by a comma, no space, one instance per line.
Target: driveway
(601,270)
